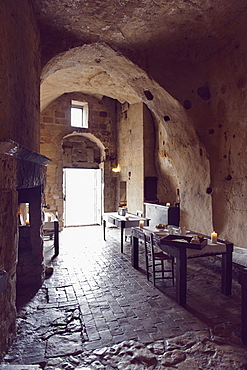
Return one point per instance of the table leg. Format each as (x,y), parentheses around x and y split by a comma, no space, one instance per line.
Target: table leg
(104,226)
(226,268)
(181,277)
(56,241)
(244,314)
(242,279)
(134,252)
(122,236)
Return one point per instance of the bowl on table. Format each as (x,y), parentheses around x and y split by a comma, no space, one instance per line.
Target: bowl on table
(161,227)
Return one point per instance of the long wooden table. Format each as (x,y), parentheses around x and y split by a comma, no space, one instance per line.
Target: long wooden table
(123,223)
(182,251)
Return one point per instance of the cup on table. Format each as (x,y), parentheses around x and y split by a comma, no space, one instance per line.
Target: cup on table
(170,229)
(182,230)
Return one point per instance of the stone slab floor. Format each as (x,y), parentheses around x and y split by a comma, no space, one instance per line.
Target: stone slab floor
(97,312)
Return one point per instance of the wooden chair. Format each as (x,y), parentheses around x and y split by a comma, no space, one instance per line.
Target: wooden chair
(156,261)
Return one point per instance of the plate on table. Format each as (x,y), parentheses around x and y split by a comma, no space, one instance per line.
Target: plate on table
(162,233)
(160,227)
(181,238)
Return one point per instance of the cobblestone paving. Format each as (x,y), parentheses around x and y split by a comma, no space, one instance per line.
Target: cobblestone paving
(97,312)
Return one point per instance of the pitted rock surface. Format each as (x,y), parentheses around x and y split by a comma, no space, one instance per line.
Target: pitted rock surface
(200,353)
(134,26)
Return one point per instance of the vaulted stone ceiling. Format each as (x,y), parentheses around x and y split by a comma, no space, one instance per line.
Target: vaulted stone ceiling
(167,39)
(181,28)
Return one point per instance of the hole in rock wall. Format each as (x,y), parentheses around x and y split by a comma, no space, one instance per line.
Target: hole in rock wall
(167,118)
(204,92)
(209,190)
(148,95)
(228,177)
(187,104)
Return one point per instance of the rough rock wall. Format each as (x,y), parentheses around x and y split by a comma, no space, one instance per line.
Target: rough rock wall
(211,87)
(19,121)
(8,252)
(55,126)
(227,134)
(19,75)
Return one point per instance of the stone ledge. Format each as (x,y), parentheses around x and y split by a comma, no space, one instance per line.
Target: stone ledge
(14,149)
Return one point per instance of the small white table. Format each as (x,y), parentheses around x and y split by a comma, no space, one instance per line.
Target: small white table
(51,228)
(123,222)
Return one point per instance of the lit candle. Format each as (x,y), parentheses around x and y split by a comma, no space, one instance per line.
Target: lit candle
(127,217)
(27,222)
(141,224)
(49,218)
(214,236)
(168,204)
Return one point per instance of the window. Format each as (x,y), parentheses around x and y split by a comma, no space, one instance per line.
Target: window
(79,114)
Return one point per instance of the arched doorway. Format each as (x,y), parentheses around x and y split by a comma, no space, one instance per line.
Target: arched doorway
(82,180)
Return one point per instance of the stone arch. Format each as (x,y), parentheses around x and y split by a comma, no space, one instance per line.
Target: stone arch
(99,70)
(82,150)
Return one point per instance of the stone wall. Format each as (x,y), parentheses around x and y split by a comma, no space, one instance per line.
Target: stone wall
(8,259)
(19,121)
(68,146)
(130,154)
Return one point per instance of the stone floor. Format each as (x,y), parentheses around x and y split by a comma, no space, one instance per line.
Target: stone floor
(97,312)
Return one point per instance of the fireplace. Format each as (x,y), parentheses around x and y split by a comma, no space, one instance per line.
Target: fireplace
(31,173)
(30,268)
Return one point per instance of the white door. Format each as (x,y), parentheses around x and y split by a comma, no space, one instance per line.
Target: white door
(82,196)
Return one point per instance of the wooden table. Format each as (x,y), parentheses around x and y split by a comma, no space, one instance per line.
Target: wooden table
(122,222)
(182,251)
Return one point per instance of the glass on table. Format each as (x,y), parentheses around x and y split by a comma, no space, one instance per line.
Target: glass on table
(182,230)
(172,229)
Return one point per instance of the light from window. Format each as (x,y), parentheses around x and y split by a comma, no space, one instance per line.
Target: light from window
(79,114)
